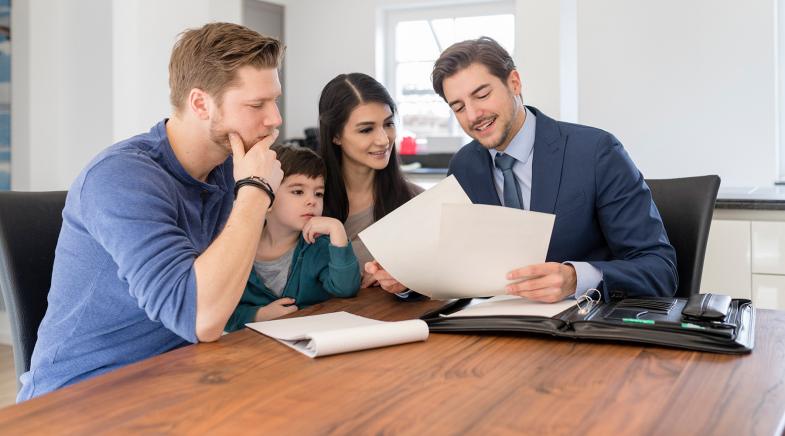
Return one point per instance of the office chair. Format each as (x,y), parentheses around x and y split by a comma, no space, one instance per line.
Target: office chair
(686,206)
(29,227)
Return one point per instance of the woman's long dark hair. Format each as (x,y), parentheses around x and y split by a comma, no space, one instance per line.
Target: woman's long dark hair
(339,98)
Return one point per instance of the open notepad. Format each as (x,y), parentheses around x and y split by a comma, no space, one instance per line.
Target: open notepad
(340,332)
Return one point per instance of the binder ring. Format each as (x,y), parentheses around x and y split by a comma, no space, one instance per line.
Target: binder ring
(588,301)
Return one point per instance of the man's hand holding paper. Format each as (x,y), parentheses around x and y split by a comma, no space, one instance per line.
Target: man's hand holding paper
(383,278)
(547,282)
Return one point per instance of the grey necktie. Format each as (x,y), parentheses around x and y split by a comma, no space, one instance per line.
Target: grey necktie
(512,191)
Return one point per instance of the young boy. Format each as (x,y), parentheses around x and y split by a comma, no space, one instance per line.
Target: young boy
(303,258)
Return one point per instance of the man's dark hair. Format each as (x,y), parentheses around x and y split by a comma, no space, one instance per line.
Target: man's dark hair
(299,160)
(483,50)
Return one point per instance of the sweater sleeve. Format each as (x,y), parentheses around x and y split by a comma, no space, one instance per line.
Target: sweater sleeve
(129,206)
(250,302)
(341,278)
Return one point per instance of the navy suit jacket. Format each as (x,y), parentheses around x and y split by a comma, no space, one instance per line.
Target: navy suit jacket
(604,211)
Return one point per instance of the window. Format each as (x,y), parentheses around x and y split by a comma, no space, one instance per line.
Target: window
(414,40)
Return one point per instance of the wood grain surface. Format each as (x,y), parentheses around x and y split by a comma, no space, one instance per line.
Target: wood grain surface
(479,384)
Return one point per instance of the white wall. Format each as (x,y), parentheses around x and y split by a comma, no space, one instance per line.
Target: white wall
(323,39)
(61,89)
(143,35)
(115,82)
(538,54)
(87,73)
(688,86)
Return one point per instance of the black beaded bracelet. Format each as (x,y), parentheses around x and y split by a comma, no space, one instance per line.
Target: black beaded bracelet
(258,182)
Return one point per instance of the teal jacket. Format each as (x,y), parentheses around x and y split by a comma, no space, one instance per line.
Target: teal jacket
(318,272)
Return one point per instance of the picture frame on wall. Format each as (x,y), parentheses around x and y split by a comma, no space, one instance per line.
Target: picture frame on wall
(5,95)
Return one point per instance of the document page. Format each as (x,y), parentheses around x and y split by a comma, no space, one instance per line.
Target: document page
(441,245)
(340,332)
(512,305)
(405,242)
(479,244)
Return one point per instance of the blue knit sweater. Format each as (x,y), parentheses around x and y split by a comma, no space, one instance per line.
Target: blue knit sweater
(123,286)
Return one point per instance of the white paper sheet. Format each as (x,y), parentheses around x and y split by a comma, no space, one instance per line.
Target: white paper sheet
(441,245)
(480,244)
(514,305)
(340,332)
(405,241)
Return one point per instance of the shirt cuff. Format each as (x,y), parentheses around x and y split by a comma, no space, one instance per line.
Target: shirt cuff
(587,277)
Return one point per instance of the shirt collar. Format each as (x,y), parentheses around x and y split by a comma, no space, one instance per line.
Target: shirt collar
(522,143)
(176,168)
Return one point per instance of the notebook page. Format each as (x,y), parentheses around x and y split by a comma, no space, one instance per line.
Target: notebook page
(511,305)
(339,332)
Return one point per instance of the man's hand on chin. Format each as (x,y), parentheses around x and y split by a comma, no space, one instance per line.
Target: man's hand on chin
(547,282)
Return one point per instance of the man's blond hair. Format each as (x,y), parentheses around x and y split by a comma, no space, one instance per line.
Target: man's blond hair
(208,58)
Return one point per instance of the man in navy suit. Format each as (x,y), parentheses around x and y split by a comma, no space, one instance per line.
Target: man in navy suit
(608,234)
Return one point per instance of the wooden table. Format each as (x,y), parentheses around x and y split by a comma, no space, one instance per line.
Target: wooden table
(247,383)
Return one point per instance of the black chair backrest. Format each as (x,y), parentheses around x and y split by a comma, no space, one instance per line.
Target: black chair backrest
(29,227)
(686,206)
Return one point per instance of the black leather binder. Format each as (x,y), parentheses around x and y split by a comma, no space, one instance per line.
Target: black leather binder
(657,321)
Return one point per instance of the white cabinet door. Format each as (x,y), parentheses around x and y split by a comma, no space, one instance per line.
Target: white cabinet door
(726,269)
(768,247)
(768,291)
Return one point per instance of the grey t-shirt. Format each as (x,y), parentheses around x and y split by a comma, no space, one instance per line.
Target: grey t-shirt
(355,224)
(275,272)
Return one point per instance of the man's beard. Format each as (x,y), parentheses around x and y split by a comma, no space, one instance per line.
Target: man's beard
(220,135)
(506,135)
(506,129)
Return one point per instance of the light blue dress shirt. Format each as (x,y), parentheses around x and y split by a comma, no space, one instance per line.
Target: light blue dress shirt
(522,149)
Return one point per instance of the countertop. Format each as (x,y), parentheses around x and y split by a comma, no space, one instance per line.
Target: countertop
(755,198)
(745,197)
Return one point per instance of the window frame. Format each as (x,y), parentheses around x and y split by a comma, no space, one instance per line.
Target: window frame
(417,13)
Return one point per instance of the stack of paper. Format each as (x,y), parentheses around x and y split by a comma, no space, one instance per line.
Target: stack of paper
(511,305)
(340,332)
(441,245)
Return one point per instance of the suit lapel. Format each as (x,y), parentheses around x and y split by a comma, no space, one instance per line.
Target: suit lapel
(483,191)
(548,160)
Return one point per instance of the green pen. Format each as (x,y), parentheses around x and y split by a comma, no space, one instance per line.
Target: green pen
(684,325)
(638,321)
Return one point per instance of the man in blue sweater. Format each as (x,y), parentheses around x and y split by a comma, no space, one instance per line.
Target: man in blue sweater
(155,250)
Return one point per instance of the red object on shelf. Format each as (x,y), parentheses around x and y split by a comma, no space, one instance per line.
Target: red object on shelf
(408,145)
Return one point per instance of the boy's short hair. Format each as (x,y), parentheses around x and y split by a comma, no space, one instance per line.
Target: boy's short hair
(483,50)
(208,58)
(299,160)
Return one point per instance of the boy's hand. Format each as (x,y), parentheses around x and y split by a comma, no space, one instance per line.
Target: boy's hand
(322,225)
(258,161)
(276,309)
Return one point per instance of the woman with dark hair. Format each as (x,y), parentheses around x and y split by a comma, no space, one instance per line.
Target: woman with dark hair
(364,180)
